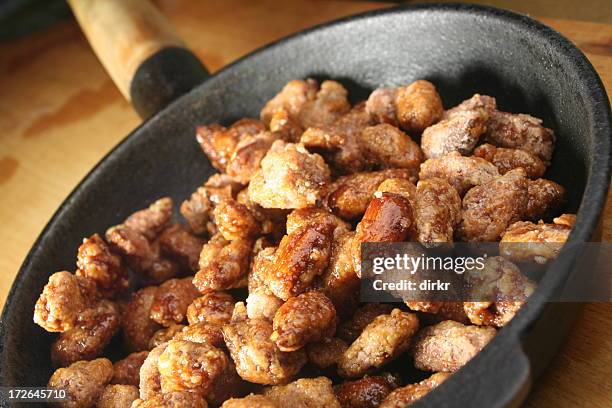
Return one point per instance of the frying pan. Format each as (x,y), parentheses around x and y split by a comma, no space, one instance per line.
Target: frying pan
(462,49)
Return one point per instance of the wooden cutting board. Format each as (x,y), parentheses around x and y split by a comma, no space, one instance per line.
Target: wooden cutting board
(60,113)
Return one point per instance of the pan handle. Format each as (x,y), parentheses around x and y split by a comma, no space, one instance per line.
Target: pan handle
(140,50)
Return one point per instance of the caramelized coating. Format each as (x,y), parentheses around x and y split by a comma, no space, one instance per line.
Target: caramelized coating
(289,177)
(503,276)
(291,99)
(84,382)
(386,146)
(95,327)
(491,313)
(437,211)
(175,399)
(151,220)
(426,307)
(127,371)
(341,143)
(381,341)
(96,262)
(262,263)
(61,301)
(351,329)
(220,187)
(413,107)
(240,313)
(179,244)
(330,104)
(304,393)
(308,105)
(500,289)
(138,327)
(202,332)
(247,126)
(262,243)
(257,358)
(326,352)
(303,319)
(403,187)
(149,373)
(388,218)
(223,264)
(212,307)
(339,282)
(245,160)
(349,196)
(185,365)
(271,220)
(448,345)
(381,105)
(508,159)
(459,133)
(439,311)
(262,304)
(418,106)
(520,131)
(461,172)
(490,208)
(313,216)
(117,396)
(197,210)
(161,269)
(235,221)
(259,245)
(525,241)
(406,396)
(476,102)
(367,392)
(301,256)
(142,256)
(219,143)
(545,198)
(165,335)
(227,385)
(250,401)
(171,301)
(565,219)
(285,127)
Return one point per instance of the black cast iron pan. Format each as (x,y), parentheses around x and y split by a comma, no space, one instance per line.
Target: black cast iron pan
(461,49)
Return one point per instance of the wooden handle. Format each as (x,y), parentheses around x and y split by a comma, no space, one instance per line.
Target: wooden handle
(123,34)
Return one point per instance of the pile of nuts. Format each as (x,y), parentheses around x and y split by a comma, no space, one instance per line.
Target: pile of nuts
(253,300)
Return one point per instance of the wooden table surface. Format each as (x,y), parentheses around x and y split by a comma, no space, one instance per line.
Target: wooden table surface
(60,113)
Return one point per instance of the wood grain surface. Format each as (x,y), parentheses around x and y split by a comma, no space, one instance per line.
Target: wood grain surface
(123,34)
(60,113)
